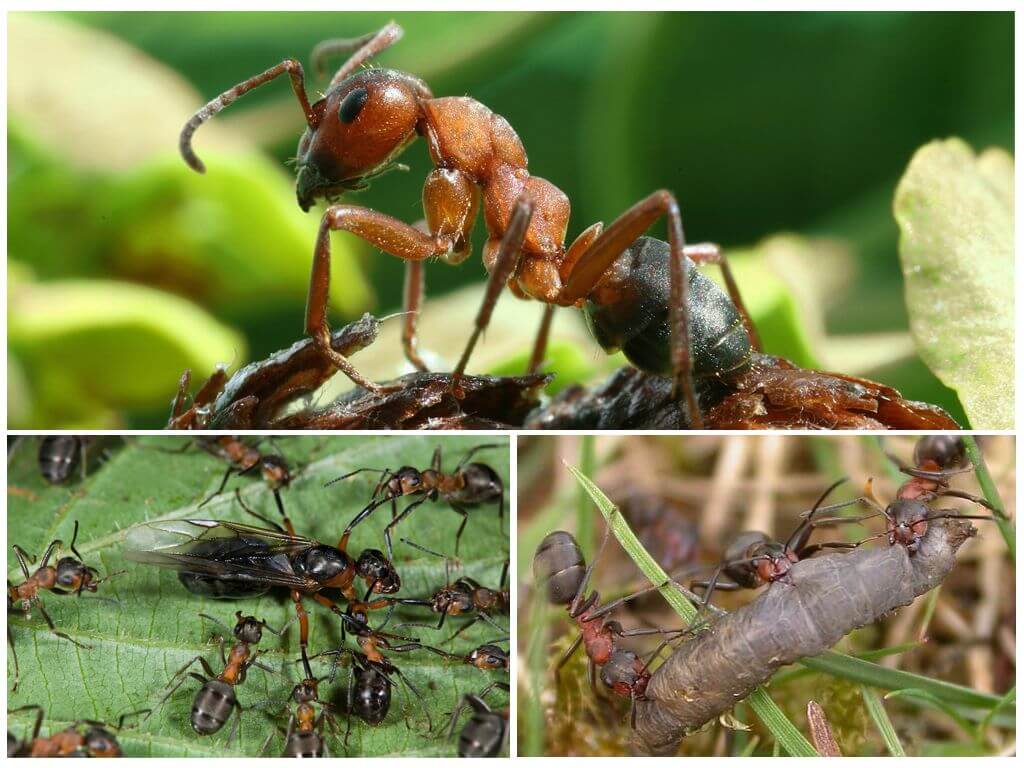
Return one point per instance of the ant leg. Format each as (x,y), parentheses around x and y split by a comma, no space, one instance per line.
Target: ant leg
(385,233)
(462,526)
(74,538)
(22,557)
(506,261)
(408,683)
(363,514)
(257,515)
(395,522)
(610,244)
(802,533)
(566,656)
(540,343)
(224,481)
(435,461)
(575,606)
(412,301)
(361,48)
(471,452)
(711,253)
(953,492)
(53,628)
(14,655)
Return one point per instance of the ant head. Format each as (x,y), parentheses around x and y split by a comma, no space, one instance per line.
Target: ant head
(489,657)
(405,481)
(362,125)
(248,629)
(907,520)
(945,451)
(559,566)
(275,471)
(378,572)
(625,674)
(306,691)
(100,742)
(775,563)
(74,576)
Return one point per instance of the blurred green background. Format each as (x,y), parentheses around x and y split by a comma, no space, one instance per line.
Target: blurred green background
(126,267)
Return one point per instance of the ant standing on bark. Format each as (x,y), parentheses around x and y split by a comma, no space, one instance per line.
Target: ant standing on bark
(639,294)
(69,576)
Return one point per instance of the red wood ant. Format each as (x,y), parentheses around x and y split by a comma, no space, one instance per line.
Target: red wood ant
(464,596)
(242,459)
(215,701)
(69,576)
(638,294)
(467,486)
(754,559)
(559,565)
(96,741)
(304,735)
(937,458)
(486,732)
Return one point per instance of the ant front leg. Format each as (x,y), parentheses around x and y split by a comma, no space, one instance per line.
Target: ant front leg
(610,244)
(506,262)
(412,300)
(449,201)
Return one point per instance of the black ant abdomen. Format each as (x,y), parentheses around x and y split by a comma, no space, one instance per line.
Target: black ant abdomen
(213,706)
(636,317)
(371,695)
(222,587)
(559,565)
(59,455)
(946,451)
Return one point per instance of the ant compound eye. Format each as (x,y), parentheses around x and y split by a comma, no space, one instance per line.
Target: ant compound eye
(352,105)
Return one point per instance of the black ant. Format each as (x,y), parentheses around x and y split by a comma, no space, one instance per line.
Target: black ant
(69,576)
(486,731)
(560,566)
(638,294)
(59,455)
(215,701)
(467,486)
(96,741)
(464,596)
(243,459)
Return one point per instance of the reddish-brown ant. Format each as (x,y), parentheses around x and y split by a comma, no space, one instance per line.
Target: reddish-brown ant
(463,597)
(641,295)
(304,735)
(937,458)
(467,486)
(215,701)
(68,576)
(243,458)
(96,741)
(559,565)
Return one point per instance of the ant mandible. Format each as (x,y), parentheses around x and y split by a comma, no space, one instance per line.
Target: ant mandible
(638,294)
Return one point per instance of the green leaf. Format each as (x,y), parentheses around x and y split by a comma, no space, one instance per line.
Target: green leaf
(955,213)
(110,344)
(876,709)
(152,628)
(786,734)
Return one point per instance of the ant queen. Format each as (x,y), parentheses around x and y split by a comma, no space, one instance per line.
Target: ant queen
(638,294)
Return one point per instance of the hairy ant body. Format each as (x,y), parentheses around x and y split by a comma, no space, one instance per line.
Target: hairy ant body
(243,458)
(96,741)
(486,731)
(638,294)
(69,576)
(215,701)
(464,596)
(559,565)
(469,485)
(59,455)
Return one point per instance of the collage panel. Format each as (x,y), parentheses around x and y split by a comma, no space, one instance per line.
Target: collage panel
(287,596)
(452,220)
(766,595)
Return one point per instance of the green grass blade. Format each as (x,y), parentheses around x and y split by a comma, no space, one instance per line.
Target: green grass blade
(786,734)
(988,488)
(584,515)
(917,693)
(876,709)
(1009,697)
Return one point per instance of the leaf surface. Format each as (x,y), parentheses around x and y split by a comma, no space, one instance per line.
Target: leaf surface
(151,629)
